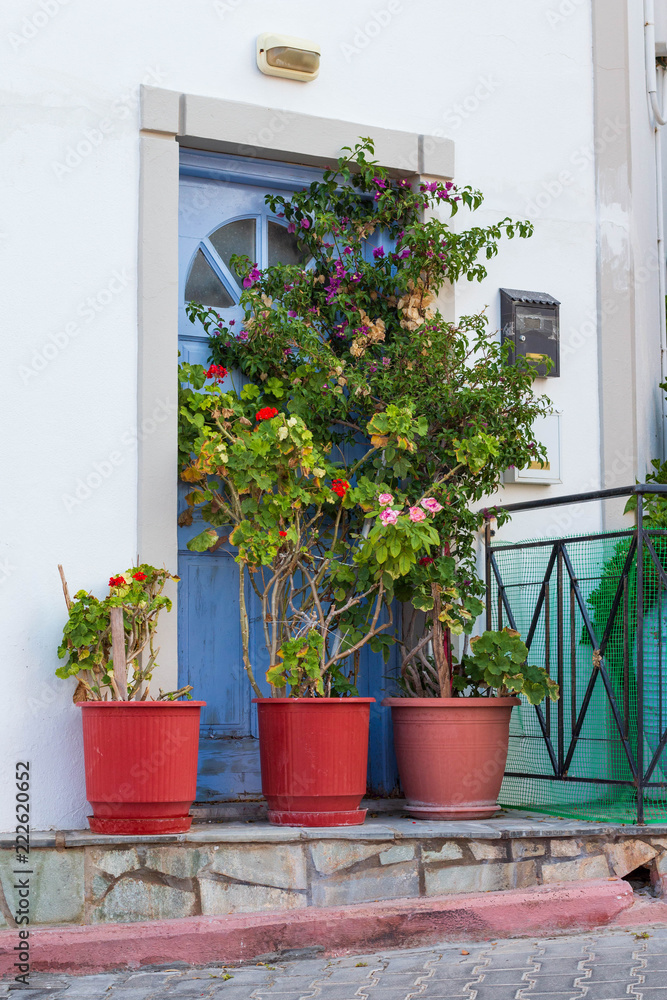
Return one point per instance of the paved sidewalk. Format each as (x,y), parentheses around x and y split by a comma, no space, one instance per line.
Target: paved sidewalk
(609,965)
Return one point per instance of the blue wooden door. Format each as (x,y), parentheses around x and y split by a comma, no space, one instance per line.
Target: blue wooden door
(222,211)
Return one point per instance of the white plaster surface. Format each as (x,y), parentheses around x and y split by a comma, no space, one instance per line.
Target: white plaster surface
(509,85)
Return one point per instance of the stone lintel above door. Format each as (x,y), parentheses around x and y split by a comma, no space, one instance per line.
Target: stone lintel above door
(271,133)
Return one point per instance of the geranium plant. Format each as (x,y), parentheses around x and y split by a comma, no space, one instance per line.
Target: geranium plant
(499,664)
(315,537)
(357,330)
(109,644)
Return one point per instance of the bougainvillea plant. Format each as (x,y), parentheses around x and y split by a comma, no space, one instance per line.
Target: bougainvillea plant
(311,534)
(357,328)
(136,597)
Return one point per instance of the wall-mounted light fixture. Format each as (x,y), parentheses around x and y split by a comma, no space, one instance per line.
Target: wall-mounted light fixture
(293,58)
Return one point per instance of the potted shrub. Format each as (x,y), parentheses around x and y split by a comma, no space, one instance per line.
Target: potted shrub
(296,523)
(451,750)
(140,752)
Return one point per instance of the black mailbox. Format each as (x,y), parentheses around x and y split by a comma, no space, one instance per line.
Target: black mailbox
(529,321)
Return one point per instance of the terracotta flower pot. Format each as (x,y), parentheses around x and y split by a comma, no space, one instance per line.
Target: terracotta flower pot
(451,754)
(314,756)
(141,764)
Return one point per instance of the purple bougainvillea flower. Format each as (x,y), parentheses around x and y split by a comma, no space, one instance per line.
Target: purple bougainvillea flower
(378,252)
(405,252)
(348,250)
(291,228)
(305,223)
(291,313)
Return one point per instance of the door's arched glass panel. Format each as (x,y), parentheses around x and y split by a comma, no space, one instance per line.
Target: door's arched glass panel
(235,238)
(284,247)
(203,285)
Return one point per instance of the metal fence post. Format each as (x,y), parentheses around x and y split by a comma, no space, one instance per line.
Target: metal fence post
(639,640)
(487,571)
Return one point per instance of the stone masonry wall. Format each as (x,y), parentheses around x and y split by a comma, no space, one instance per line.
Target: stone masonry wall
(113,882)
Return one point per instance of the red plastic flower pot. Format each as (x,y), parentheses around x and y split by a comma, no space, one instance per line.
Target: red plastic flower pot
(451,754)
(314,756)
(141,764)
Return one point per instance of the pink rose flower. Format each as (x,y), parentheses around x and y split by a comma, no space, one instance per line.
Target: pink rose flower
(431,505)
(416,514)
(389,516)
(385,499)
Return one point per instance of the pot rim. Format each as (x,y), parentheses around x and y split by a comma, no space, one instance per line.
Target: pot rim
(340,700)
(451,702)
(140,704)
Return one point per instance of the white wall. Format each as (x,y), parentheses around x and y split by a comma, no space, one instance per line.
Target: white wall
(523,79)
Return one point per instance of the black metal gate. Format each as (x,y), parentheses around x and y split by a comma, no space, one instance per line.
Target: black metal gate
(592,610)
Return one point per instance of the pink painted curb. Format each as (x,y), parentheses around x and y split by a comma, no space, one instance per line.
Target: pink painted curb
(337,929)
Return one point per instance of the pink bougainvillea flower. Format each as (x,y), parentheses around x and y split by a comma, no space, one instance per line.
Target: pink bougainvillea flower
(305,223)
(431,505)
(389,516)
(117,581)
(417,514)
(140,577)
(252,276)
(291,228)
(385,499)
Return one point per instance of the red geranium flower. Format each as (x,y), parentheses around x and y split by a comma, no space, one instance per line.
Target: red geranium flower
(117,581)
(266,413)
(283,534)
(218,372)
(425,560)
(139,576)
(340,486)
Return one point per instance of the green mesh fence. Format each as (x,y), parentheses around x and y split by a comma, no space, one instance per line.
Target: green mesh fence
(597,782)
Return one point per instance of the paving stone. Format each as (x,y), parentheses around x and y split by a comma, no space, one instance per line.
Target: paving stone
(626,855)
(219,898)
(375,884)
(333,856)
(448,852)
(484,850)
(572,871)
(262,865)
(56,885)
(506,977)
(402,852)
(480,878)
(131,900)
(90,987)
(564,848)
